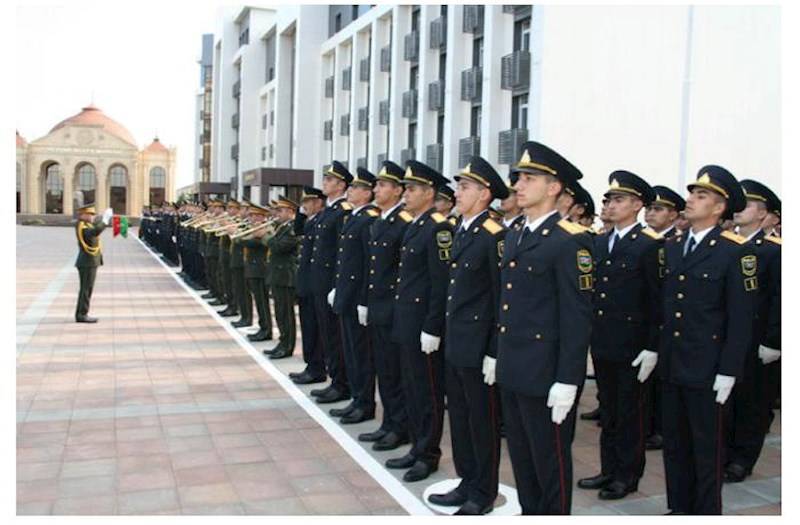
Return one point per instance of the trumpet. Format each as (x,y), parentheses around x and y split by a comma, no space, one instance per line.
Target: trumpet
(267,224)
(240,226)
(194,220)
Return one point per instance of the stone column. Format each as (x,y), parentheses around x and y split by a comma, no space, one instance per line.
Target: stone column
(68,172)
(101,190)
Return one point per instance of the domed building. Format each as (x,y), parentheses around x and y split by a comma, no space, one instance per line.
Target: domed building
(90,157)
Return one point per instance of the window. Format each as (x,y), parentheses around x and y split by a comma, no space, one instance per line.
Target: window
(54,189)
(87,181)
(415,18)
(522,35)
(158,177)
(440,129)
(412,135)
(337,24)
(475,122)
(477,52)
(19,188)
(413,77)
(442,65)
(119,176)
(519,111)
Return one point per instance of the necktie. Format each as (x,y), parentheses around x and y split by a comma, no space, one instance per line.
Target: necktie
(525,232)
(614,241)
(689,246)
(460,236)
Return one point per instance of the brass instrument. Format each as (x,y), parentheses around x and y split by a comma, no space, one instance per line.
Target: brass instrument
(266,224)
(241,225)
(195,219)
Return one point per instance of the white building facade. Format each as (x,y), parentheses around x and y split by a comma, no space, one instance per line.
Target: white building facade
(657,90)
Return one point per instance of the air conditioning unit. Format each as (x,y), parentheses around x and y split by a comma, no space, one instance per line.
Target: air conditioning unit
(344,125)
(473,19)
(468,147)
(383,112)
(509,145)
(438,33)
(471,84)
(410,103)
(363,68)
(436,95)
(363,118)
(434,154)
(516,70)
(327,130)
(386,59)
(329,87)
(347,74)
(411,46)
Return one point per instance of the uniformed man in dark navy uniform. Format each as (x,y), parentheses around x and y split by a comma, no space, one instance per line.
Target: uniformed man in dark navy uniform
(512,213)
(751,400)
(351,277)
(624,333)
(582,211)
(445,202)
(544,323)
(710,287)
(323,261)
(313,201)
(661,216)
(376,308)
(473,298)
(419,320)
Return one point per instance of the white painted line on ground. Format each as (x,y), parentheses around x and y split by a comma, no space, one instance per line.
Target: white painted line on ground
(29,321)
(392,485)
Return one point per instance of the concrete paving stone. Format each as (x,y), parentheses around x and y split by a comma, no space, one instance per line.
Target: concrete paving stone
(85,506)
(281,506)
(769,489)
(736,497)
(135,448)
(334,504)
(86,486)
(86,451)
(255,454)
(249,439)
(185,444)
(319,484)
(38,471)
(92,467)
(222,510)
(207,495)
(149,502)
(35,508)
(146,479)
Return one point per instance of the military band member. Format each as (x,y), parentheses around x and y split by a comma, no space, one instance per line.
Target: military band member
(211,257)
(545,323)
(624,338)
(418,325)
(283,246)
(313,201)
(753,393)
(88,230)
(376,308)
(255,271)
(710,287)
(323,260)
(350,281)
(226,275)
(473,299)
(241,292)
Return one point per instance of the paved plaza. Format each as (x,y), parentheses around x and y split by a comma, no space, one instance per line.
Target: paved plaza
(163,408)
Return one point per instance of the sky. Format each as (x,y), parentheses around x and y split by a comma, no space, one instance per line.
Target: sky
(137,61)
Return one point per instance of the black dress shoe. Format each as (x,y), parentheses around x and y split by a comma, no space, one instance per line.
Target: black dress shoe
(269,351)
(654,442)
(370,437)
(280,353)
(339,412)
(593,415)
(406,461)
(390,441)
(216,302)
(595,482)
(241,323)
(307,379)
(454,498)
(321,391)
(470,508)
(675,513)
(419,471)
(334,396)
(208,295)
(261,335)
(735,473)
(357,416)
(228,312)
(616,490)
(85,319)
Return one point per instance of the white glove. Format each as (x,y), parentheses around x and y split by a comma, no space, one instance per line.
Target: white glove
(174,239)
(331,297)
(429,343)
(723,386)
(768,355)
(362,315)
(489,364)
(107,216)
(646,361)
(561,398)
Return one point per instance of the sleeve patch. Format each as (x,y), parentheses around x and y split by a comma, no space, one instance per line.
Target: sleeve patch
(500,248)
(444,240)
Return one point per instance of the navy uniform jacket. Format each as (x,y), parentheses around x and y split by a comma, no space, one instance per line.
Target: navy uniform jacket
(473,295)
(768,306)
(324,247)
(545,311)
(305,226)
(351,262)
(386,236)
(627,294)
(422,279)
(709,304)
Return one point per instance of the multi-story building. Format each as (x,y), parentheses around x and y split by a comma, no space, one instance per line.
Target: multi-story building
(295,87)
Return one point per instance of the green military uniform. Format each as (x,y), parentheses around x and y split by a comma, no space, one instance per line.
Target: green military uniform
(255,273)
(283,248)
(89,258)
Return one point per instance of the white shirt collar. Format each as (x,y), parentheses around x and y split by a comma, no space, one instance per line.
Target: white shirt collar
(507,222)
(356,210)
(466,223)
(699,236)
(388,212)
(532,226)
(623,232)
(330,202)
(667,230)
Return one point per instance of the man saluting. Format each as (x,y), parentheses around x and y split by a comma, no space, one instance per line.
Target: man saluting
(88,230)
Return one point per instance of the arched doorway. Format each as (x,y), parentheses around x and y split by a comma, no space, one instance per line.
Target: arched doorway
(53,188)
(118,189)
(19,187)
(86,182)
(158,181)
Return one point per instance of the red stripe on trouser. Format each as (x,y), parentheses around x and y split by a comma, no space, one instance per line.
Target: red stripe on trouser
(561,480)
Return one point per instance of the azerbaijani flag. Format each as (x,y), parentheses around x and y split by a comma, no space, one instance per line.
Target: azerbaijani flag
(120,223)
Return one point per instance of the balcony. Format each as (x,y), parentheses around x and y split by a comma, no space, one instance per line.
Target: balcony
(438,38)
(235,121)
(468,147)
(363,118)
(327,130)
(347,74)
(407,154)
(410,103)
(383,112)
(509,144)
(235,152)
(386,59)
(329,87)
(411,46)
(434,154)
(237,88)
(436,95)
(516,70)
(472,84)
(363,70)
(473,19)
(344,125)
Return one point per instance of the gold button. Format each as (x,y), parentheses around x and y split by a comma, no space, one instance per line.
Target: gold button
(602,295)
(372,272)
(449,297)
(508,286)
(400,265)
(452,281)
(599,312)
(681,277)
(454,265)
(505,307)
(371,287)
(416,299)
(680,295)
(397,297)
(605,279)
(476,317)
(538,336)
(608,263)
(678,315)
(373,257)
(502,329)
(512,264)
(677,334)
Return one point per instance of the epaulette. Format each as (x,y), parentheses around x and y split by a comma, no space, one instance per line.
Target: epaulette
(346,206)
(438,217)
(372,212)
(738,239)
(652,234)
(453,221)
(405,216)
(571,227)
(773,239)
(492,227)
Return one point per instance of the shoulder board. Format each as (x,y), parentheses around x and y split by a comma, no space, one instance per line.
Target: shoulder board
(346,206)
(652,234)
(405,216)
(438,217)
(492,227)
(453,221)
(738,239)
(571,227)
(372,213)
(773,239)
